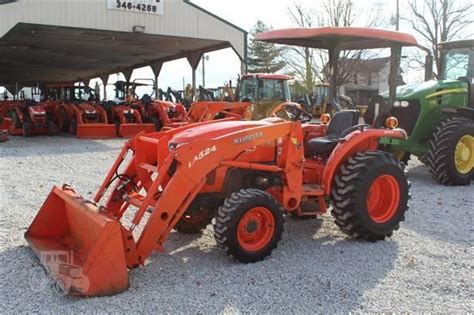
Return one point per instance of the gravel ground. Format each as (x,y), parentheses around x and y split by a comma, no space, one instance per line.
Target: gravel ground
(427,266)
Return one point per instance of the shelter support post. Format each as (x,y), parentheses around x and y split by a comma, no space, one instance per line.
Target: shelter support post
(105,80)
(156,68)
(194,58)
(334,75)
(127,73)
(393,79)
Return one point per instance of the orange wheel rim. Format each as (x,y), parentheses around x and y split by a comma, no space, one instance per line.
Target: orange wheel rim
(383,198)
(255,229)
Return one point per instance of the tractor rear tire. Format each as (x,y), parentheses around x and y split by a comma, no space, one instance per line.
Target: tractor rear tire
(249,225)
(51,127)
(73,126)
(196,218)
(64,120)
(27,130)
(445,167)
(15,119)
(157,123)
(370,196)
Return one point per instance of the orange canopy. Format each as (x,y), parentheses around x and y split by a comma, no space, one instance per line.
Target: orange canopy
(343,38)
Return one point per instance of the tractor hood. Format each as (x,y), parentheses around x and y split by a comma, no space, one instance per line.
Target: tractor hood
(217,129)
(419,90)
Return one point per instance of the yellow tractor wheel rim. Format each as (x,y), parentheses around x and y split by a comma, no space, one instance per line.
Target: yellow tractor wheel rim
(464,154)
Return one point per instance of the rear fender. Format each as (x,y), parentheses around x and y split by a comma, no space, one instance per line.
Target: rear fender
(357,141)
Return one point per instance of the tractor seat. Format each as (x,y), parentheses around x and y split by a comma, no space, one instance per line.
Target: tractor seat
(341,121)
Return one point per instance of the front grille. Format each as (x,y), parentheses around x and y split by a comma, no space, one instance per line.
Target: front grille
(407,116)
(129,117)
(92,118)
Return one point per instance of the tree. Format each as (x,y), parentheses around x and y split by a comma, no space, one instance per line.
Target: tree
(438,21)
(263,57)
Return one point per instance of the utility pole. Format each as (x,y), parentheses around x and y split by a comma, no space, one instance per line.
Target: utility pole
(397,26)
(395,20)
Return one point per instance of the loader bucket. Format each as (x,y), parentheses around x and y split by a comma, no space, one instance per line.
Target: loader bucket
(131,130)
(96,131)
(81,248)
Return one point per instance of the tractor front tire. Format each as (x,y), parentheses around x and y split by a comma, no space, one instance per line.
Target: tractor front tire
(196,218)
(451,152)
(73,126)
(370,196)
(249,225)
(27,130)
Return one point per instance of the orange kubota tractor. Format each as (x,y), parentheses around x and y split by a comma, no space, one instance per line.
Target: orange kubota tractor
(34,117)
(6,106)
(124,113)
(80,113)
(245,174)
(164,111)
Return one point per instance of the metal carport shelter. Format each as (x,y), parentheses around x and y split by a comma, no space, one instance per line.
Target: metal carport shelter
(66,40)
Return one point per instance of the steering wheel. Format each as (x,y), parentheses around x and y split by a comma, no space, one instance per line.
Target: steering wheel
(296,113)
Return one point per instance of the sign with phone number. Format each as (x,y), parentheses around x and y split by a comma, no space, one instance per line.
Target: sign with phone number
(139,6)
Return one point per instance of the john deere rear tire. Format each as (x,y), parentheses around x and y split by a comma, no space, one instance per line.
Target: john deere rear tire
(249,225)
(451,152)
(196,218)
(370,196)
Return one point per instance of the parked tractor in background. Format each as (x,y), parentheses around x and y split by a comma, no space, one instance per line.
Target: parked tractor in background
(438,116)
(80,113)
(35,116)
(121,112)
(267,93)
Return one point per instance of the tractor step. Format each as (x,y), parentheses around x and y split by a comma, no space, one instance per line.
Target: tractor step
(312,190)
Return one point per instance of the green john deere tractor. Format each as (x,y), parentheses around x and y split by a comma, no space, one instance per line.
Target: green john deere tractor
(439,118)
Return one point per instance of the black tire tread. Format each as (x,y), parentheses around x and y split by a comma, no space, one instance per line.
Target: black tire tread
(345,187)
(224,218)
(438,158)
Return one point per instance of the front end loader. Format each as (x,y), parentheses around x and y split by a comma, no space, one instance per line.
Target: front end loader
(80,114)
(246,174)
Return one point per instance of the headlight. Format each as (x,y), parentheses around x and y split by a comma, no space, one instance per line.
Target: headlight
(404,103)
(396,104)
(325,119)
(391,122)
